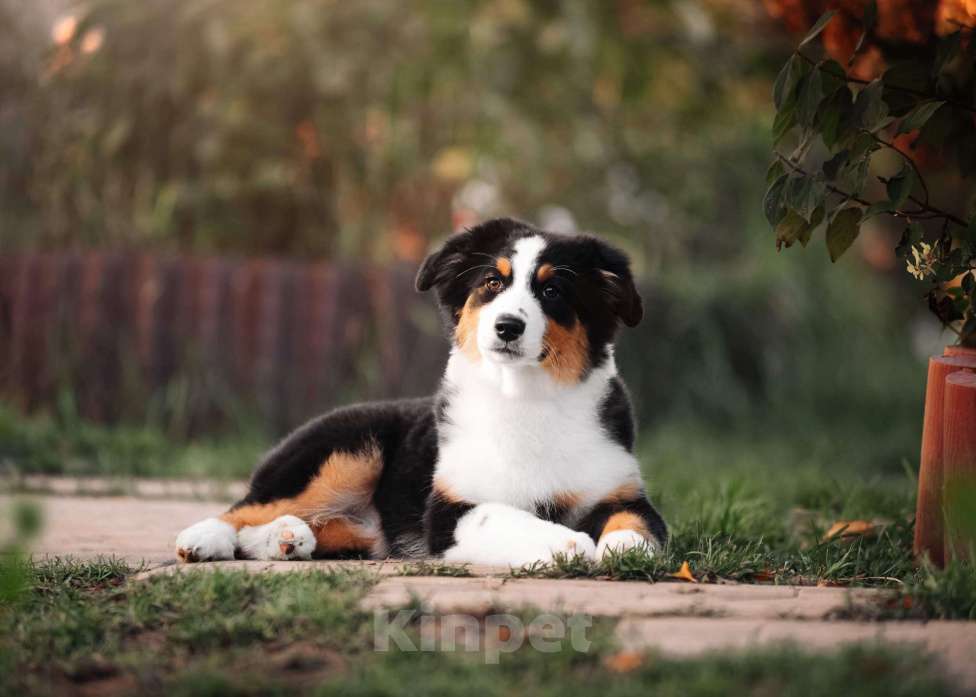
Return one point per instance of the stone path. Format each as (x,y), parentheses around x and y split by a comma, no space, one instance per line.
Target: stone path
(674,618)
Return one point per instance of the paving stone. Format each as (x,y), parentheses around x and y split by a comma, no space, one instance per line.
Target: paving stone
(137,530)
(614,599)
(951,643)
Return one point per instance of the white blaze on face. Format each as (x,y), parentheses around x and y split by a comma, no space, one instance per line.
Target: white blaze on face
(517,299)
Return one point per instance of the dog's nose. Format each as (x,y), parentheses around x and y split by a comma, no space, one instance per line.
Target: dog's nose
(509,327)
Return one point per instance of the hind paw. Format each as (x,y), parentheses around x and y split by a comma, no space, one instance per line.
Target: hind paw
(283,539)
(209,540)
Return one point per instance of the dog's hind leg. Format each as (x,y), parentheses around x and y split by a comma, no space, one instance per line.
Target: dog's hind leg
(209,540)
(286,537)
(332,515)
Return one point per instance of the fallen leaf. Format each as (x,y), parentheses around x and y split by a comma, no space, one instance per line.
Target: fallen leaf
(849,528)
(684,573)
(763,576)
(624,661)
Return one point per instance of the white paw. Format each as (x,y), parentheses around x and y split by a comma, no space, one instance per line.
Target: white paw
(622,540)
(209,540)
(564,541)
(285,538)
(500,535)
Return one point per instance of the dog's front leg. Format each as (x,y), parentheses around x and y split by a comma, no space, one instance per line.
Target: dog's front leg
(624,521)
(498,534)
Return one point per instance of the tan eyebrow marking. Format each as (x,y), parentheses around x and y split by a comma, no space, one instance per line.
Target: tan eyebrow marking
(504,266)
(545,272)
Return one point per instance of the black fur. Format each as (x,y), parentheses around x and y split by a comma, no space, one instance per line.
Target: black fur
(594,521)
(441,521)
(617,416)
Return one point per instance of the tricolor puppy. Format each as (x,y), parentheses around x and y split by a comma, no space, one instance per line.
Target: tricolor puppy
(525,452)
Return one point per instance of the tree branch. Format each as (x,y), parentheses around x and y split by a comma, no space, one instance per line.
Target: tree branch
(894,88)
(926,210)
(909,160)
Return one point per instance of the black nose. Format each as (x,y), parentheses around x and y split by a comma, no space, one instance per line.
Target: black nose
(509,327)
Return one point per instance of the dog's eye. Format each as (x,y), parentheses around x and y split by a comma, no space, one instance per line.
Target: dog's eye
(493,285)
(550,292)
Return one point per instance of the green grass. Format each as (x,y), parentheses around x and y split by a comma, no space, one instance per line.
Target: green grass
(66,445)
(89,626)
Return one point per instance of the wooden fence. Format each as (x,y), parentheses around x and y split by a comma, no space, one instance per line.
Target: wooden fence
(197,339)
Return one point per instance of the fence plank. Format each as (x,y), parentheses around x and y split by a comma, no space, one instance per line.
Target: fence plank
(197,339)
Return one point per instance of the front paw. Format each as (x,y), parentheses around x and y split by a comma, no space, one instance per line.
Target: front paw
(620,541)
(550,544)
(566,542)
(209,540)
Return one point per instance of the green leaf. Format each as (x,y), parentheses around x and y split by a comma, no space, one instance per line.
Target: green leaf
(832,167)
(919,116)
(870,17)
(937,129)
(816,218)
(947,51)
(869,106)
(818,27)
(810,94)
(773,201)
(790,229)
(877,208)
(784,89)
(910,236)
(775,171)
(903,83)
(784,123)
(969,283)
(832,75)
(900,186)
(842,231)
(834,112)
(804,194)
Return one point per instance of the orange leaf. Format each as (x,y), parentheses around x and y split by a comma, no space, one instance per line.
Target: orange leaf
(624,661)
(849,528)
(684,573)
(763,576)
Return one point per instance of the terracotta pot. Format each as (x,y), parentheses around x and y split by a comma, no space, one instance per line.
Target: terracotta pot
(959,465)
(929,514)
(960,351)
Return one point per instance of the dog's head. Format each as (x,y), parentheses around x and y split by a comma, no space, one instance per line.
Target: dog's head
(516,295)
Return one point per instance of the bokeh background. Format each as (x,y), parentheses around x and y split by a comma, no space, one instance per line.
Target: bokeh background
(211,212)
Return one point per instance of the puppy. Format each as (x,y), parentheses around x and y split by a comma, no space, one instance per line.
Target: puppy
(525,452)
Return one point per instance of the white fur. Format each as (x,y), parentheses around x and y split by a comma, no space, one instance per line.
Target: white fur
(270,541)
(621,541)
(209,540)
(517,299)
(501,535)
(513,435)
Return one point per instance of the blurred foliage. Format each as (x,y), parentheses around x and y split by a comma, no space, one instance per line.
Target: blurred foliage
(15,535)
(917,108)
(325,128)
(367,129)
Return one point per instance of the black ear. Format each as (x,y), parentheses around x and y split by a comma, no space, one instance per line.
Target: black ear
(427,275)
(614,268)
(442,266)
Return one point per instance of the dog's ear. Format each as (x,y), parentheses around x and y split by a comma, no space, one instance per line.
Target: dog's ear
(618,282)
(443,266)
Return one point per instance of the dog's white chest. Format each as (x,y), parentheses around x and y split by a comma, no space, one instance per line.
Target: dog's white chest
(527,447)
